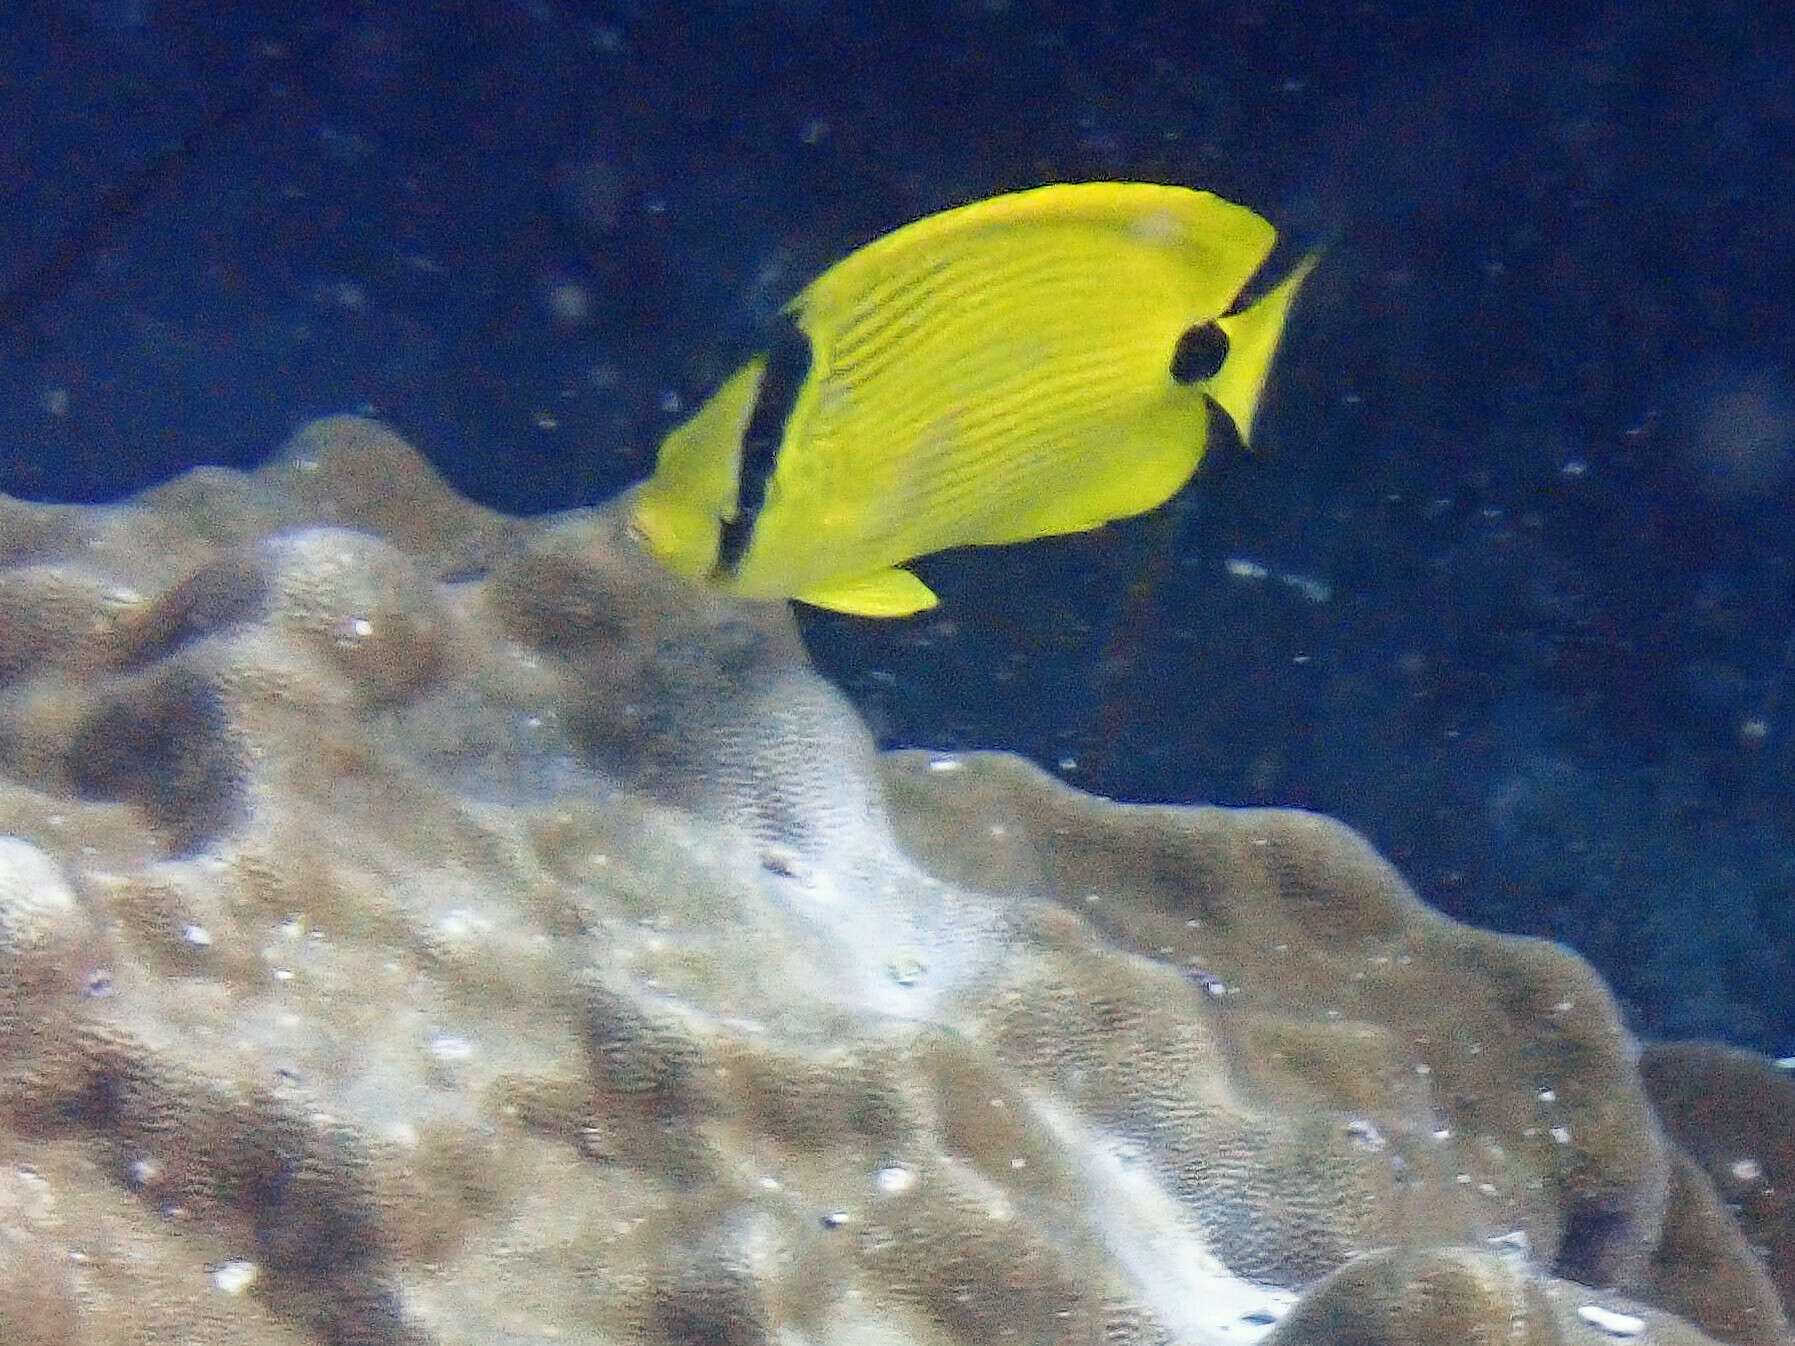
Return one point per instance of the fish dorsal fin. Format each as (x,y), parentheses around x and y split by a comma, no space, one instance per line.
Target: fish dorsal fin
(1085,225)
(1252,343)
(884,593)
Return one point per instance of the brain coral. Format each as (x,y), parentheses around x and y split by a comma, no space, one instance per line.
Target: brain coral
(420,926)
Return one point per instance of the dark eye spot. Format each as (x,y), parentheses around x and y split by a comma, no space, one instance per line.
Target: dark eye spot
(1199,353)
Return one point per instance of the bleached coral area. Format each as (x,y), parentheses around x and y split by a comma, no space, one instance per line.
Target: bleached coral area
(421,926)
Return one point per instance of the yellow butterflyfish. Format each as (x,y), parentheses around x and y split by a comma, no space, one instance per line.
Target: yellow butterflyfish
(1036,363)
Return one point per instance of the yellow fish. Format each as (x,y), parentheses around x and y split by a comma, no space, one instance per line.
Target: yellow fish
(1036,363)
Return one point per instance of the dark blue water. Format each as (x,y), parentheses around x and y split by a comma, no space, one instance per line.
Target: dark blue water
(1510,587)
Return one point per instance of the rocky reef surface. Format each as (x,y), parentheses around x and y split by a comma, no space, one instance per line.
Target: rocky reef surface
(423,926)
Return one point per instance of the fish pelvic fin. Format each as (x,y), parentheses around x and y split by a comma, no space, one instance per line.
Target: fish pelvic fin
(1253,335)
(884,593)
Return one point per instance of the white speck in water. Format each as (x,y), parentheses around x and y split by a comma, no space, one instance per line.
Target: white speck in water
(569,302)
(1746,1170)
(1316,591)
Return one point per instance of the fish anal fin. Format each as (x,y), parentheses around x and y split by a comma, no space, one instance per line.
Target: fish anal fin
(883,593)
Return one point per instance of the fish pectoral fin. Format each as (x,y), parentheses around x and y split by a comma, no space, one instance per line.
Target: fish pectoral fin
(884,593)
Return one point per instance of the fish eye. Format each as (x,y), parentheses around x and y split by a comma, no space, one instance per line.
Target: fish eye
(1200,353)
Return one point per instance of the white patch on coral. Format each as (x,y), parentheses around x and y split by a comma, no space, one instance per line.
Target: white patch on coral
(1150,1235)
(1623,1326)
(234,1277)
(35,898)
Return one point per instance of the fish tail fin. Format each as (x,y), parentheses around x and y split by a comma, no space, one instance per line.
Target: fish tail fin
(1253,335)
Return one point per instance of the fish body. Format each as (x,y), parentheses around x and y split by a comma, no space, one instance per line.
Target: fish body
(1036,363)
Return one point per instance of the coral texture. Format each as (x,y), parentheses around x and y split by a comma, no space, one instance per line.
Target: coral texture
(420,926)
(1735,1113)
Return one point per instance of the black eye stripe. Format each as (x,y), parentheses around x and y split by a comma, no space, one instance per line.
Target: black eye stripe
(1200,353)
(788,364)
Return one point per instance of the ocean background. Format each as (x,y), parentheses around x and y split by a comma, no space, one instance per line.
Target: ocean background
(1509,585)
